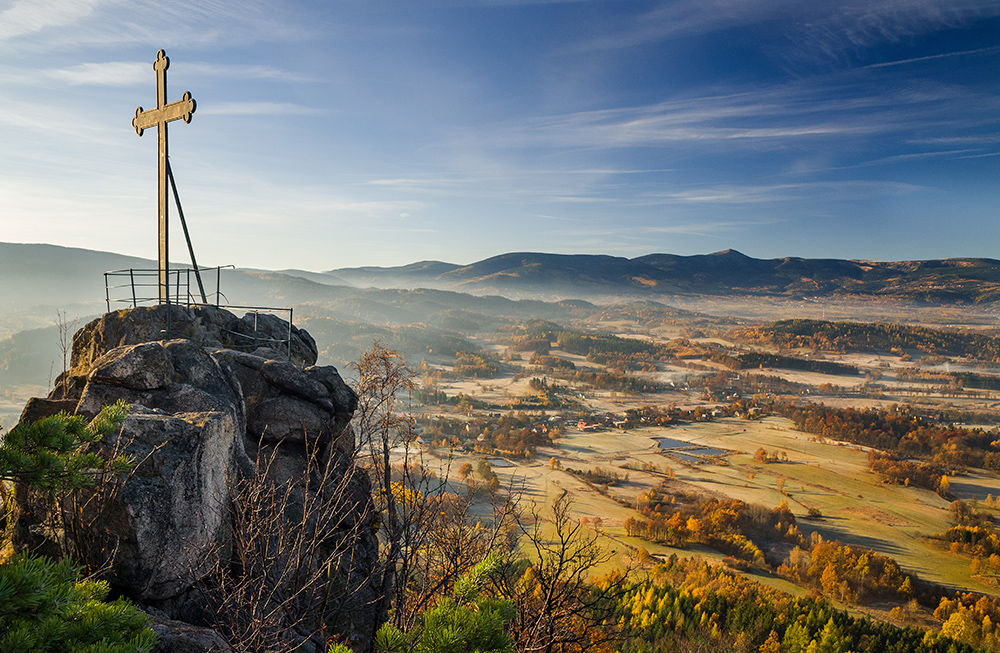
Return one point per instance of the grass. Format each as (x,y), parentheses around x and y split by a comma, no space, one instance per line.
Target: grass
(857,508)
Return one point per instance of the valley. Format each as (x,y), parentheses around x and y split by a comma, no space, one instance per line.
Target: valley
(741,429)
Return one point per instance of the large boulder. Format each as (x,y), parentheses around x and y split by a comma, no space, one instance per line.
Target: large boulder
(180,637)
(208,326)
(169,518)
(215,403)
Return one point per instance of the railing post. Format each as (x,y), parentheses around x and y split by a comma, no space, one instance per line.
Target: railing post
(107,293)
(218,285)
(256,314)
(288,343)
(131,280)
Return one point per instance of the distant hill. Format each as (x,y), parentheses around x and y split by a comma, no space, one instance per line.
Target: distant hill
(552,276)
(38,280)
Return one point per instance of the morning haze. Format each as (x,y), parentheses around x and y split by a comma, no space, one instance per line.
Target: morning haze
(514,327)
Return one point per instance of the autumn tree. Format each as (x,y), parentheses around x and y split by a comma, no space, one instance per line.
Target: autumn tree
(427,535)
(558,606)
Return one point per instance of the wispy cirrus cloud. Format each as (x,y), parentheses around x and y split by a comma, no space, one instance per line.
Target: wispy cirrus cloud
(803,112)
(111,73)
(25,17)
(258,109)
(139,73)
(53,25)
(774,193)
(823,26)
(53,120)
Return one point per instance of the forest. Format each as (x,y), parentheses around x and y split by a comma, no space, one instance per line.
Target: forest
(819,335)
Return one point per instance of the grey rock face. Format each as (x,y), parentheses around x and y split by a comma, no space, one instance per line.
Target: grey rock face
(286,403)
(170,515)
(137,367)
(180,637)
(204,325)
(201,402)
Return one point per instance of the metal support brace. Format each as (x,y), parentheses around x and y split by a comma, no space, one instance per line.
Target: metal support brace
(187,236)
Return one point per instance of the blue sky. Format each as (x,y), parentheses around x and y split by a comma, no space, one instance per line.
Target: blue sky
(343,133)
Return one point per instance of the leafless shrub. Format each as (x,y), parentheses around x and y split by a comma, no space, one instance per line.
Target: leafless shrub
(66,329)
(428,535)
(290,569)
(558,606)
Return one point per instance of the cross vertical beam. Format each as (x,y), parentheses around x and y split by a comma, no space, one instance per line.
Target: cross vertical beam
(159,117)
(163,207)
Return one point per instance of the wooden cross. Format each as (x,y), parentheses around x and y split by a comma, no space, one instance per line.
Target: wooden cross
(159,117)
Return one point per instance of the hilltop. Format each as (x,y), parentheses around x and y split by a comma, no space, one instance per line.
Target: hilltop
(729,272)
(46,276)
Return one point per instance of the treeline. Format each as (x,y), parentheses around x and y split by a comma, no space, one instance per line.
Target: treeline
(539,336)
(847,573)
(973,535)
(738,529)
(478,365)
(598,476)
(874,337)
(904,472)
(509,433)
(899,430)
(755,536)
(977,381)
(607,380)
(759,359)
(689,605)
(721,385)
(971,380)
(584,344)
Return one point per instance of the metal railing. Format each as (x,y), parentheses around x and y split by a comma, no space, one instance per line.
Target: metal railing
(138,280)
(256,340)
(130,286)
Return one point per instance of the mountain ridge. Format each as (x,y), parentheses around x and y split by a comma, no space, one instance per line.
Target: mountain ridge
(30,271)
(727,272)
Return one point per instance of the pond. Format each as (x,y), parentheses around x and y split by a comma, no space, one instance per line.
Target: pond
(687,451)
(704,451)
(670,443)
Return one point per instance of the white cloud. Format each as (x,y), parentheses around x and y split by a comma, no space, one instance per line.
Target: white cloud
(60,25)
(828,110)
(760,194)
(821,27)
(238,71)
(25,17)
(62,121)
(112,73)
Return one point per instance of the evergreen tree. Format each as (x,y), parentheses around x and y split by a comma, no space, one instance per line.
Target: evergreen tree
(43,605)
(466,623)
(43,608)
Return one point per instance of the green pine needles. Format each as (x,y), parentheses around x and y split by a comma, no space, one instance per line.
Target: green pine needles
(47,455)
(467,623)
(44,606)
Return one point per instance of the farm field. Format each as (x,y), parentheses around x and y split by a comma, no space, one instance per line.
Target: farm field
(832,477)
(590,403)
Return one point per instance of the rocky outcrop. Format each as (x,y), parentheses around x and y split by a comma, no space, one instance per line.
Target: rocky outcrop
(209,400)
(207,326)
(181,637)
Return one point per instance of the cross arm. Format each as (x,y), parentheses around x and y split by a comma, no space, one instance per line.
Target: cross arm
(179,110)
